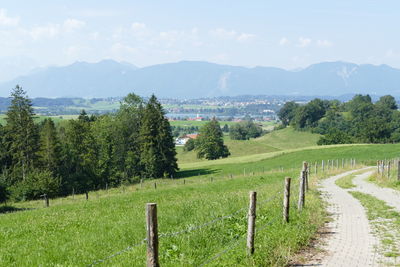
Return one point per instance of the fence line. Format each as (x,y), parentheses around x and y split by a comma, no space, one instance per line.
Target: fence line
(118,253)
(303,177)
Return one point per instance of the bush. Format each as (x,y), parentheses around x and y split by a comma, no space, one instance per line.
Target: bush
(36,183)
(190,145)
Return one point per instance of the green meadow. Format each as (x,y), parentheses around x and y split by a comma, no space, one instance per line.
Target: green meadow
(202,213)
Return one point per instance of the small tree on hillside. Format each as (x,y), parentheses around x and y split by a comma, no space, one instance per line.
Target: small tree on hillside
(210,143)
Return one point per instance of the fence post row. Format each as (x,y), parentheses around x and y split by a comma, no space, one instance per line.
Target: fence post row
(251,222)
(152,235)
(286,200)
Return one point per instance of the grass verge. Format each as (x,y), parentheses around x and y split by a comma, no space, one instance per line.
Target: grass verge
(386,223)
(384,181)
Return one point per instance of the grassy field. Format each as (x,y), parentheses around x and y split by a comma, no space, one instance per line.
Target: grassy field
(75,232)
(275,141)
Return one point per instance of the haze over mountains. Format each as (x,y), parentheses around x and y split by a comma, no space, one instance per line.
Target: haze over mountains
(194,79)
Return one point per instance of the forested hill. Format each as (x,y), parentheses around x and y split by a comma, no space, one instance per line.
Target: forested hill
(193,79)
(356,121)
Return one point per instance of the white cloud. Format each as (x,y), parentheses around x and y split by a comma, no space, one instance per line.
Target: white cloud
(71,25)
(304,42)
(324,43)
(223,34)
(283,41)
(6,20)
(44,32)
(231,34)
(243,37)
(138,26)
(121,49)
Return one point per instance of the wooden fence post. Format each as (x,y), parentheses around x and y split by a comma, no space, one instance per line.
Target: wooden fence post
(87,195)
(398,170)
(323,166)
(141,183)
(73,193)
(316,168)
(251,222)
(301,192)
(152,235)
(184,181)
(286,200)
(388,169)
(155,185)
(377,165)
(305,175)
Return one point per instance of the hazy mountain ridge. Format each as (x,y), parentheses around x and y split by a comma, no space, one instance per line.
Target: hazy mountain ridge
(193,79)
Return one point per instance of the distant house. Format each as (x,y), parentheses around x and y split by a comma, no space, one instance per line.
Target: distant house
(181,141)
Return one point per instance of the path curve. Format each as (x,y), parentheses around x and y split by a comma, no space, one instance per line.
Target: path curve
(350,241)
(390,196)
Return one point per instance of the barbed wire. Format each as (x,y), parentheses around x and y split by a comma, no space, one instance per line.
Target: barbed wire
(235,243)
(193,228)
(216,256)
(117,253)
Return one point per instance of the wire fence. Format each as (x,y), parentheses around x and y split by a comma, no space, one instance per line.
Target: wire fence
(260,204)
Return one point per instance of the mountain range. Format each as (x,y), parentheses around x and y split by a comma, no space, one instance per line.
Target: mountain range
(195,79)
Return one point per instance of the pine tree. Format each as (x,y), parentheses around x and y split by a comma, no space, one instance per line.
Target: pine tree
(21,134)
(210,143)
(157,149)
(50,150)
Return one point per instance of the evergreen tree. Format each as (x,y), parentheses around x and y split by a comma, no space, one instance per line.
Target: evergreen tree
(50,149)
(126,151)
(83,154)
(157,148)
(210,143)
(21,135)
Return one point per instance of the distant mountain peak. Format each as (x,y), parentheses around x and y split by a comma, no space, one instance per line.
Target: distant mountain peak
(193,79)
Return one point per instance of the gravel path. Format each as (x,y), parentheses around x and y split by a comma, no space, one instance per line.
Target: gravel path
(349,241)
(390,196)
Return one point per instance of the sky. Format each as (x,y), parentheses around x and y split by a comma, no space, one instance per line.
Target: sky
(286,34)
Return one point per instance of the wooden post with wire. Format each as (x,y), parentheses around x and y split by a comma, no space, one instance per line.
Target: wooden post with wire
(152,235)
(286,200)
(251,222)
(305,174)
(302,185)
(398,170)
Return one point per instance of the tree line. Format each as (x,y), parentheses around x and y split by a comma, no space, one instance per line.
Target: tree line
(356,121)
(83,154)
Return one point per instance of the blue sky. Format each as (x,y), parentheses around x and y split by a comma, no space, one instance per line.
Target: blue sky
(287,34)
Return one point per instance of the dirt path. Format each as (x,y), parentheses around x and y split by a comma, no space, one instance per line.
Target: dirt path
(390,196)
(349,239)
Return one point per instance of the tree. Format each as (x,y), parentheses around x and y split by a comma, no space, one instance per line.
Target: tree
(210,143)
(157,148)
(82,154)
(50,149)
(189,145)
(245,130)
(307,116)
(287,112)
(21,134)
(387,101)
